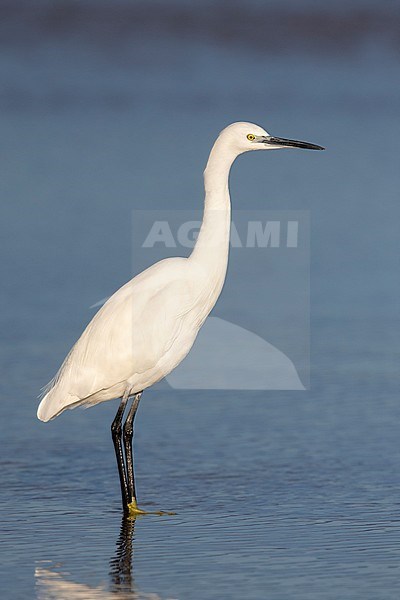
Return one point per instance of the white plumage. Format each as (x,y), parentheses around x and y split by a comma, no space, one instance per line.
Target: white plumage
(149,325)
(140,334)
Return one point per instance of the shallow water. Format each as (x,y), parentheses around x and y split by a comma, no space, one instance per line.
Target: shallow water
(275,497)
(278,494)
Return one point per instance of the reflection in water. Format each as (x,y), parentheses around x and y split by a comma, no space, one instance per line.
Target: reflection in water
(51,585)
(121,566)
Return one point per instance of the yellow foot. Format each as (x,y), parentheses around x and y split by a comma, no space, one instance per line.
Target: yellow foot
(135,511)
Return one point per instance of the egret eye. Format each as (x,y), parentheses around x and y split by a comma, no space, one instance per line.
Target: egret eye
(251,137)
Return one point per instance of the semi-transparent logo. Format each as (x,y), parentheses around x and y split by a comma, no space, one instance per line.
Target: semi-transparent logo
(257,335)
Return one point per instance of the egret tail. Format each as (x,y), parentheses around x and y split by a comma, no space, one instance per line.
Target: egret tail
(51,406)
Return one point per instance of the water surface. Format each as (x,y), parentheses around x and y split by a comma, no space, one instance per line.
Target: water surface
(278,494)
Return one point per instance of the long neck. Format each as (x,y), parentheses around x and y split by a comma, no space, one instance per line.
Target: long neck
(212,246)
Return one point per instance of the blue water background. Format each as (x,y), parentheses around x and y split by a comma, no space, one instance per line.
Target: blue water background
(105,109)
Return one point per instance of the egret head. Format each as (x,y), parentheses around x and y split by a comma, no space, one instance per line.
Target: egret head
(243,137)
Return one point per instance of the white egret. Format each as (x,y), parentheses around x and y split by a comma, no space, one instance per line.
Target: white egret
(150,324)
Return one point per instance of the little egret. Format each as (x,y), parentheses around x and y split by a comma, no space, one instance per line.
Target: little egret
(150,324)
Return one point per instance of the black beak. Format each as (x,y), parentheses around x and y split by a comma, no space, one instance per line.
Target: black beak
(277,141)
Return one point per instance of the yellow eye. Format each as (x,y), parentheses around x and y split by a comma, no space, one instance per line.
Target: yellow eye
(251,137)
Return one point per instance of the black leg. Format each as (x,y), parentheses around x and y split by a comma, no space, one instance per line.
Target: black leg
(128,436)
(125,468)
(116,431)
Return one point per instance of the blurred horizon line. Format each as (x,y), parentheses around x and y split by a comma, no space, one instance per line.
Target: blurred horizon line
(273,27)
